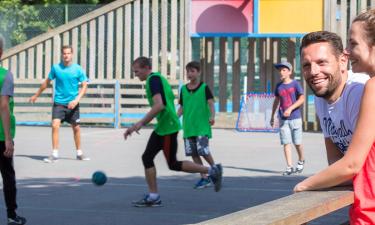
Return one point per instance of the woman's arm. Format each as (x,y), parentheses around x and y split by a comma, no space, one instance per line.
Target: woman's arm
(353,160)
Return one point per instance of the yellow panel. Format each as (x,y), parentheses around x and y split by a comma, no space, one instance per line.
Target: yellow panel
(290,16)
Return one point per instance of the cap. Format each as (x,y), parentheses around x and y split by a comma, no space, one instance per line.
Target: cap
(284,64)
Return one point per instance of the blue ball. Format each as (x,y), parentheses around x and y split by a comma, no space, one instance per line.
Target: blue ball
(99,178)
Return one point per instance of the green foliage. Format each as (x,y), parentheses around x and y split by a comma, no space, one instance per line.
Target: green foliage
(16,19)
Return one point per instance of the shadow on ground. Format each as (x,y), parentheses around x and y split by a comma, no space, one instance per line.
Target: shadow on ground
(77,201)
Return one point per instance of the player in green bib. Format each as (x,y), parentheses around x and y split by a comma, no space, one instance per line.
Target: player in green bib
(7,133)
(197,106)
(164,137)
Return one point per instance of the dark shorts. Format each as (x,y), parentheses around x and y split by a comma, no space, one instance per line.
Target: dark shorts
(64,114)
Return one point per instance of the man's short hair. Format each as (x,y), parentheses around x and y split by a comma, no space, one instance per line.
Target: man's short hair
(323,36)
(2,42)
(66,47)
(193,65)
(143,62)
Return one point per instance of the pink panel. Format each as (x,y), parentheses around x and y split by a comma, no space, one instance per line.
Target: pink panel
(221,16)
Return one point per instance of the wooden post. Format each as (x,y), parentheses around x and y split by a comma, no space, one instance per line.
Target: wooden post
(236,73)
(223,75)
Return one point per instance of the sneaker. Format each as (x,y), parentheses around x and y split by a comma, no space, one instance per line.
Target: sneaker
(300,166)
(202,183)
(17,220)
(51,159)
(217,176)
(288,171)
(146,202)
(83,158)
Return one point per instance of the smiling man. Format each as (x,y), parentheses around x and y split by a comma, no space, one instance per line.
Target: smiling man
(337,90)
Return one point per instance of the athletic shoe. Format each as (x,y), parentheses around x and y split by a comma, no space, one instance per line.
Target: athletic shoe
(18,220)
(146,202)
(83,158)
(202,183)
(288,171)
(51,159)
(216,176)
(300,166)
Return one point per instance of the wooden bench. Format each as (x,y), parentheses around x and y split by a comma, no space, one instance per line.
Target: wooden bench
(294,209)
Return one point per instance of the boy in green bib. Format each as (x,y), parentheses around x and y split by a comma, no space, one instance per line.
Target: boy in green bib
(197,106)
(164,137)
(7,133)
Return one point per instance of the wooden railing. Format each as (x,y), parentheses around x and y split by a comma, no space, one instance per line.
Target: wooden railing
(106,40)
(107,102)
(295,209)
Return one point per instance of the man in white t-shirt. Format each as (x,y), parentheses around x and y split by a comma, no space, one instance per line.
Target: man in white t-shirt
(338,91)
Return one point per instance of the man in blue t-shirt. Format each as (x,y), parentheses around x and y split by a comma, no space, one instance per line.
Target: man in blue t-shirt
(289,94)
(68,76)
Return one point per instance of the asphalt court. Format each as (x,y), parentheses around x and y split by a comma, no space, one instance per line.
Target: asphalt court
(61,193)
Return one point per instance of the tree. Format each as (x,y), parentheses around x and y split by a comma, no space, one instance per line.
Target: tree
(17,18)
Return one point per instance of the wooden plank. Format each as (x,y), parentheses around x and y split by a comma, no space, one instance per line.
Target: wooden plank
(236,73)
(83,49)
(75,44)
(276,59)
(187,39)
(56,49)
(181,48)
(14,65)
(269,65)
(343,21)
(251,64)
(353,10)
(74,23)
(294,209)
(66,38)
(48,58)
(155,35)
(164,38)
(31,90)
(262,64)
(363,6)
(30,64)
(209,73)
(22,65)
(110,41)
(137,29)
(146,29)
(39,62)
(134,101)
(223,75)
(128,36)
(92,53)
(100,53)
(173,37)
(119,43)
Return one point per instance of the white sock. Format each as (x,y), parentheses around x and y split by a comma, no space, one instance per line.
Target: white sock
(79,152)
(55,153)
(153,196)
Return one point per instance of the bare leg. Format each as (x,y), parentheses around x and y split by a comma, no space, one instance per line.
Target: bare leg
(190,167)
(77,135)
(197,160)
(299,149)
(288,154)
(209,159)
(150,174)
(55,133)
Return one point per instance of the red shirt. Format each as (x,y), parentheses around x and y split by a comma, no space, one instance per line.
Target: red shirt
(363,208)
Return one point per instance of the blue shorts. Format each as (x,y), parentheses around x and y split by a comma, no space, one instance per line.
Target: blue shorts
(291,131)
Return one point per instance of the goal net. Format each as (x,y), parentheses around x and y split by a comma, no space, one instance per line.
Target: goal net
(255,113)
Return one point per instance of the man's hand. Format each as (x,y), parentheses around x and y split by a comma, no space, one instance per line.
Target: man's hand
(135,128)
(212,121)
(287,112)
(32,99)
(72,104)
(271,122)
(9,148)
